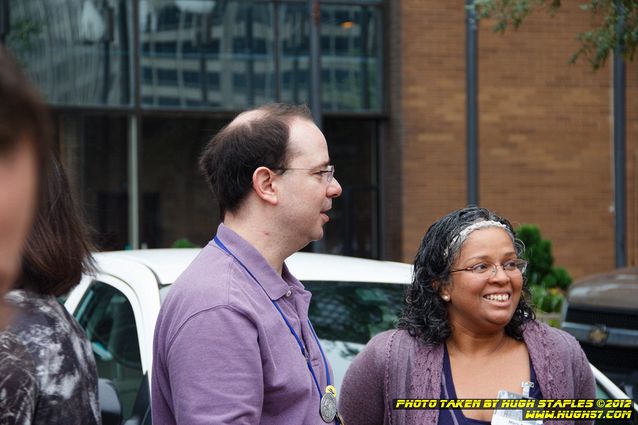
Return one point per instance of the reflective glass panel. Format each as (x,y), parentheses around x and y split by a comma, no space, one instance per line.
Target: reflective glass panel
(347,314)
(352,229)
(207,54)
(294,48)
(178,208)
(106,316)
(351,56)
(94,152)
(76,51)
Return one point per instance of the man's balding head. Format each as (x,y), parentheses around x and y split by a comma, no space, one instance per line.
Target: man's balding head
(255,138)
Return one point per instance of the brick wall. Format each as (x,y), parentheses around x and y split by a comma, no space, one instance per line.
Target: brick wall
(545,130)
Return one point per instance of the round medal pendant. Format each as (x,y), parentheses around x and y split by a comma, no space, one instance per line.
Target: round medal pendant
(328,408)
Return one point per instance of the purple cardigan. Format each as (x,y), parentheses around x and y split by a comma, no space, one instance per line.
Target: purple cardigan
(394,365)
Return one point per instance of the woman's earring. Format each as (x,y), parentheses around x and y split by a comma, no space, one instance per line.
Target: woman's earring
(445,297)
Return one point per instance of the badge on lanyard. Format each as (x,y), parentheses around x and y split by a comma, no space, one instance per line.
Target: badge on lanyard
(513,417)
(328,408)
(328,405)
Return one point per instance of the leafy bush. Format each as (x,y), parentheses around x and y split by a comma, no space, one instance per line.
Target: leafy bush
(548,284)
(183,243)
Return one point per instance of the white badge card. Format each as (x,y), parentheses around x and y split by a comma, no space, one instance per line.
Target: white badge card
(511,416)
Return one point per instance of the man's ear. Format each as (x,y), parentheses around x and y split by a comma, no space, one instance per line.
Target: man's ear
(263,185)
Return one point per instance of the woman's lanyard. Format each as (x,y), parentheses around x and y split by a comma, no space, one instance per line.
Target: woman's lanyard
(292,331)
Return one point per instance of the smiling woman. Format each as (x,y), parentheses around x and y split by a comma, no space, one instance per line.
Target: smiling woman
(467,331)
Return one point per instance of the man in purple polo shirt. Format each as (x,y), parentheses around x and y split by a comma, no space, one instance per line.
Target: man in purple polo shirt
(233,343)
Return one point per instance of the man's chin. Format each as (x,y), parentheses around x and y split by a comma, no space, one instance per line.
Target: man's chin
(316,237)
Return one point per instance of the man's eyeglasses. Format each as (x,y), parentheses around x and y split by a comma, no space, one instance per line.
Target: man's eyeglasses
(511,266)
(327,172)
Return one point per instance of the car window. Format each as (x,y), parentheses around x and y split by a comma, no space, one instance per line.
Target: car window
(107,318)
(602,393)
(346,315)
(353,311)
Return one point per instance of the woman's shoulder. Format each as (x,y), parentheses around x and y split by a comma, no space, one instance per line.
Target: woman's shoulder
(380,347)
(396,344)
(554,334)
(538,332)
(391,338)
(33,309)
(48,332)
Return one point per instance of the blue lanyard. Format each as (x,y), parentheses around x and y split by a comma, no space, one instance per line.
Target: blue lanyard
(292,331)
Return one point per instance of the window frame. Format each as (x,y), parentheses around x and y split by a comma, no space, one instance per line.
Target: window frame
(131,297)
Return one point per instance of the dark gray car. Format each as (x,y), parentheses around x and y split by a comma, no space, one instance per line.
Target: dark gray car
(602,313)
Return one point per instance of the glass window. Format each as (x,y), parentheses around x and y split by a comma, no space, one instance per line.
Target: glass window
(236,40)
(79,52)
(353,228)
(351,56)
(294,48)
(107,318)
(76,51)
(177,205)
(601,392)
(231,42)
(94,152)
(346,315)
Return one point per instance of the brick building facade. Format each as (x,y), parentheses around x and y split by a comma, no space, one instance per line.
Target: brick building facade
(545,130)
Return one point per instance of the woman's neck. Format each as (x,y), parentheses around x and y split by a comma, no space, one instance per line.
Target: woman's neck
(475,345)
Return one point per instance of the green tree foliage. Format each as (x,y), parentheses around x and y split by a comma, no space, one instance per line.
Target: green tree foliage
(183,243)
(24,34)
(548,284)
(596,45)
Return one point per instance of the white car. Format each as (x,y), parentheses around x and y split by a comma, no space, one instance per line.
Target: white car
(353,299)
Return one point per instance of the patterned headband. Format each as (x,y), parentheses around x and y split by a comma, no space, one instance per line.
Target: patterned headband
(460,238)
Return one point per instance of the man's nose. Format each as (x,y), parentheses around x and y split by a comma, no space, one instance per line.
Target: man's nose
(334,189)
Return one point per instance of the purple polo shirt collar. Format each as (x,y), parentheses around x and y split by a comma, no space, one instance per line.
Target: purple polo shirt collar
(275,286)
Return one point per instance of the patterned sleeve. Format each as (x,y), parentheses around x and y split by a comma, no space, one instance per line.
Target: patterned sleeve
(361,401)
(18,386)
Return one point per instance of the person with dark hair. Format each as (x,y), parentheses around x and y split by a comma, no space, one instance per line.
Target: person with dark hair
(56,381)
(233,343)
(47,370)
(467,331)
(24,135)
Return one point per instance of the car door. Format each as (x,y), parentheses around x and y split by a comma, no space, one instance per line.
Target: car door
(107,313)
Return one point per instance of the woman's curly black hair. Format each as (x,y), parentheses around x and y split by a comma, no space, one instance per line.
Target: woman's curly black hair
(425,314)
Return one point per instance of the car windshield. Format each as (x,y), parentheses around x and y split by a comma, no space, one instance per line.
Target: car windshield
(346,315)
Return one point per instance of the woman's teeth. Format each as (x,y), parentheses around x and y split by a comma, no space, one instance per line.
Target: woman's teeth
(497,297)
